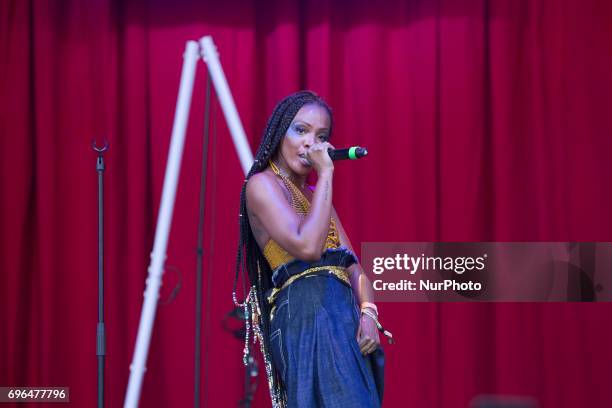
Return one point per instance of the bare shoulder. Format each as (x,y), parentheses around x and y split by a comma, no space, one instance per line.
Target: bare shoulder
(261,177)
(261,185)
(262,189)
(267,207)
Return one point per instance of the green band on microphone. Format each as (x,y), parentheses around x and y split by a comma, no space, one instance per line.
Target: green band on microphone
(352,154)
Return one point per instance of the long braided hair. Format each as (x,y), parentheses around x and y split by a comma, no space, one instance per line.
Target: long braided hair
(249,256)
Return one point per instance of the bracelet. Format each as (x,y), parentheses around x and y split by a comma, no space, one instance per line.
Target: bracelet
(370,305)
(379,326)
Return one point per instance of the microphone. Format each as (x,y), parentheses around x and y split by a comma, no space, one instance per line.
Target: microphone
(351,153)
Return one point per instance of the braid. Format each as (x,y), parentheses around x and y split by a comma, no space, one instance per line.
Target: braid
(249,256)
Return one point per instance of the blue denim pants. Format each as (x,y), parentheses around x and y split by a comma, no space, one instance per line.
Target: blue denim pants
(314,347)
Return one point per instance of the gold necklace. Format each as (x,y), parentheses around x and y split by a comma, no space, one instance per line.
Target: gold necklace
(298,200)
(301,205)
(283,173)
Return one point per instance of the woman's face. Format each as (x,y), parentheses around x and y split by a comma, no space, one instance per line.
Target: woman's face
(309,126)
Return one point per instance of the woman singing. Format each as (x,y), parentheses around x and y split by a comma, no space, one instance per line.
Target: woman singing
(307,286)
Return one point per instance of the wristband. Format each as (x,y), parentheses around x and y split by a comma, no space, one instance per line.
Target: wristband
(378,325)
(370,305)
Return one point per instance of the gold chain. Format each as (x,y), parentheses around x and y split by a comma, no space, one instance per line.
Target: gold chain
(301,205)
(299,202)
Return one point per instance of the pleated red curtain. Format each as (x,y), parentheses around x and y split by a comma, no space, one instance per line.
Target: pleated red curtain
(485,121)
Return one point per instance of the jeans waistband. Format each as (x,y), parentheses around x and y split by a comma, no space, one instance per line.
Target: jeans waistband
(341,257)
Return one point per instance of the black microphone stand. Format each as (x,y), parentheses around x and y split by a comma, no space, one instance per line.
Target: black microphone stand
(200,255)
(100,333)
(252,370)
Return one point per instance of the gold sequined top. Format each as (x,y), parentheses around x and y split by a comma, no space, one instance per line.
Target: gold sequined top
(273,252)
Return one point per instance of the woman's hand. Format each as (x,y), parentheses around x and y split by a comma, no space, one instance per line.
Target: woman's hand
(367,335)
(319,158)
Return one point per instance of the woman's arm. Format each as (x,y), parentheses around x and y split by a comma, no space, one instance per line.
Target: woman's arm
(301,238)
(367,335)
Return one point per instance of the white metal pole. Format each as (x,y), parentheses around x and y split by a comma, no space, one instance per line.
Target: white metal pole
(164,221)
(211,57)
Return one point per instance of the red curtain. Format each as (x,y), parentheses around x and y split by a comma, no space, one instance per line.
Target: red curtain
(485,120)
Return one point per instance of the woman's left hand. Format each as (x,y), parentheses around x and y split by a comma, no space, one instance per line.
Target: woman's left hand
(367,335)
